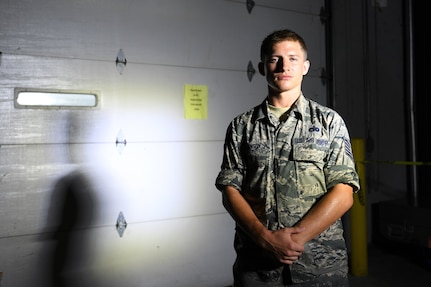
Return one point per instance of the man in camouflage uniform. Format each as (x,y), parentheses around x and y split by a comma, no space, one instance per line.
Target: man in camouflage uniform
(287,177)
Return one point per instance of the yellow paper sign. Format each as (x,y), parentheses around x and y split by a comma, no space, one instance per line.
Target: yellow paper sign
(195,101)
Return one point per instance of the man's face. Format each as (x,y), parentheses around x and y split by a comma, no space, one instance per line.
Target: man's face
(286,67)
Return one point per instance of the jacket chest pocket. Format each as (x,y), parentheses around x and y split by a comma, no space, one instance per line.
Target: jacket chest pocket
(309,152)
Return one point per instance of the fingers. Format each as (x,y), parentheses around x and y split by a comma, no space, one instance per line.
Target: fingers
(286,249)
(297,229)
(289,260)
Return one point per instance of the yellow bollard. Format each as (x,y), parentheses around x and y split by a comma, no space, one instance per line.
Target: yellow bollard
(358,216)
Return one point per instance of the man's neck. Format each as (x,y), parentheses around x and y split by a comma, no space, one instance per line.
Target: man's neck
(284,99)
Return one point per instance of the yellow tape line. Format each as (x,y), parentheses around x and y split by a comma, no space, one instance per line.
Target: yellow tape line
(396,162)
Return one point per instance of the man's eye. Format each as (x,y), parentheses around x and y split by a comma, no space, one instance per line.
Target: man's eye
(273,60)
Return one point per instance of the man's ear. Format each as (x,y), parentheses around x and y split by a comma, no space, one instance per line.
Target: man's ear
(306,67)
(261,67)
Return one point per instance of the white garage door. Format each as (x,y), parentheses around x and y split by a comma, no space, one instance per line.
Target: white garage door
(144,152)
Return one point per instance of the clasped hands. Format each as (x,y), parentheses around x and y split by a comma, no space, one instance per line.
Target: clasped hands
(285,244)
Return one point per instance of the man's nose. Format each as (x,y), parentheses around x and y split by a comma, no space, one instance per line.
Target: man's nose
(282,65)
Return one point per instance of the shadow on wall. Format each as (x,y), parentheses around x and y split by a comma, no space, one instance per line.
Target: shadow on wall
(71,214)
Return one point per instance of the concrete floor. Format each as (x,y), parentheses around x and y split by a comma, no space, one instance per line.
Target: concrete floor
(394,268)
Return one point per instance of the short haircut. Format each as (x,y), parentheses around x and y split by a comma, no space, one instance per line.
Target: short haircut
(279,36)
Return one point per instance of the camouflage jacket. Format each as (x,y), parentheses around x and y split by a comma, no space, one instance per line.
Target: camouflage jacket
(281,169)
